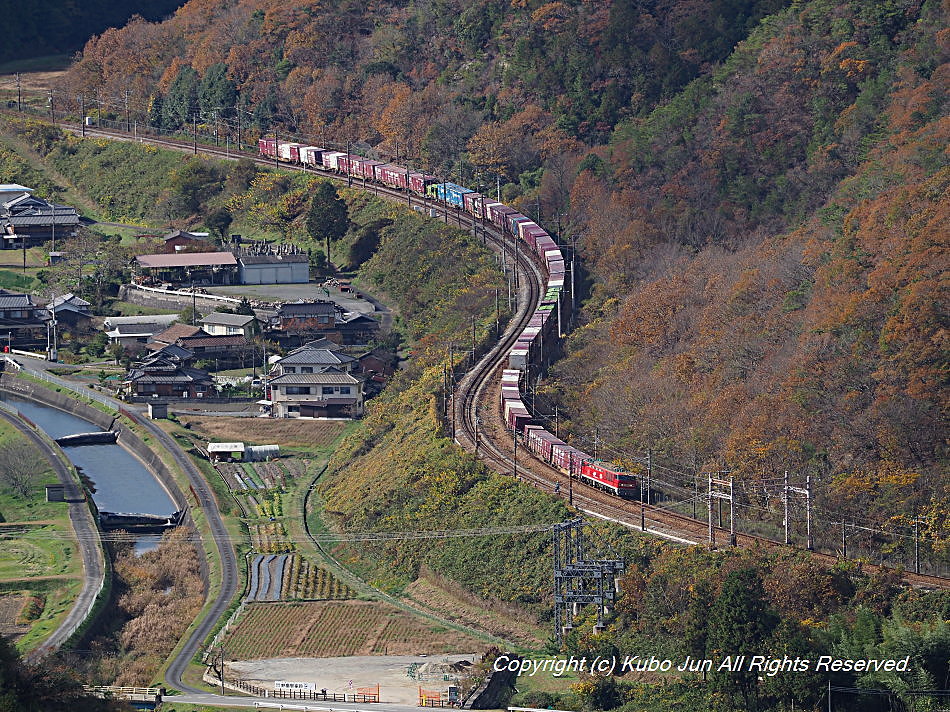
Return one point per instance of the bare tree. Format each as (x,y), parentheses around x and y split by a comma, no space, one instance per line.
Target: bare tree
(20,466)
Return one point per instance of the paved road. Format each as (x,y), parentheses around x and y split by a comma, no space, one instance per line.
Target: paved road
(87,534)
(206,501)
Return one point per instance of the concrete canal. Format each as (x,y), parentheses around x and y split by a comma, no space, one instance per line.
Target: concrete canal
(117,480)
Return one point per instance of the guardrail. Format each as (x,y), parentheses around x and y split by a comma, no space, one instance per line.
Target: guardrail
(186,293)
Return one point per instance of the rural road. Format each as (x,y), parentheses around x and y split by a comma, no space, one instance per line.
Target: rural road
(206,501)
(87,534)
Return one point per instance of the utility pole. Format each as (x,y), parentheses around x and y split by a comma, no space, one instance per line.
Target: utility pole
(556,424)
(82,115)
(649,475)
(277,166)
(194,120)
(844,541)
(595,442)
(709,500)
(98,109)
(806,493)
(916,544)
(473,340)
(514,439)
(128,116)
(643,514)
(785,500)
(19,96)
(52,113)
(239,110)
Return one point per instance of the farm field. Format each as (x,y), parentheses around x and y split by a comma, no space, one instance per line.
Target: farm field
(307,434)
(10,607)
(322,629)
(40,566)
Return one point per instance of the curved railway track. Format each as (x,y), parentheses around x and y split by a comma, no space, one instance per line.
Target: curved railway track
(474,403)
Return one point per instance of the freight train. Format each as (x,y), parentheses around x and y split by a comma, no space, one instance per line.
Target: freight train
(533,346)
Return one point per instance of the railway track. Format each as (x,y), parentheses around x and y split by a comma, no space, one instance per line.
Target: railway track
(474,403)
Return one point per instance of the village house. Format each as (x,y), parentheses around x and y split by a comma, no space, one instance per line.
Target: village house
(330,393)
(70,310)
(22,321)
(167,375)
(133,332)
(28,221)
(181,241)
(308,360)
(223,324)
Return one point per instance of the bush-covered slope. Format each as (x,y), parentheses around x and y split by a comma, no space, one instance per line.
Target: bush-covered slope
(399,472)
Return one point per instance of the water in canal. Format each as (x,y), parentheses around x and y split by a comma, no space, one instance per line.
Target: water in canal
(120,483)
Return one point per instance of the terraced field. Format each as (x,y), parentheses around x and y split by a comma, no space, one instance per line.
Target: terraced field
(324,629)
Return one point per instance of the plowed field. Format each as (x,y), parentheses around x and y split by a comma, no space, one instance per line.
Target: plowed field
(268,431)
(322,629)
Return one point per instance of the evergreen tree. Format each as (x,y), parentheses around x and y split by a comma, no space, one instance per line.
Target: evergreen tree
(217,93)
(329,218)
(181,101)
(740,622)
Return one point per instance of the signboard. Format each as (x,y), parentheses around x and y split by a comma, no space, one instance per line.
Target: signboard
(295,686)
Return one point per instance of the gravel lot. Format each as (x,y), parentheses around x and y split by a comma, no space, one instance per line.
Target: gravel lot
(344,675)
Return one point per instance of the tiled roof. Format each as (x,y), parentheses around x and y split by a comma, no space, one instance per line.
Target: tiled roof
(63,299)
(10,300)
(181,233)
(329,377)
(315,356)
(306,308)
(175,332)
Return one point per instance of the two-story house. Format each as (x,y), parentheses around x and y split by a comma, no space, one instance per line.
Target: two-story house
(329,393)
(316,383)
(222,324)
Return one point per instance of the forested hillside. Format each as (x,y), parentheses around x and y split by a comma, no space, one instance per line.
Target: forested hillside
(62,27)
(758,191)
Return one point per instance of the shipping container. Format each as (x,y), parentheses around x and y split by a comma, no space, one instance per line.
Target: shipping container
(367,168)
(518,357)
(514,220)
(289,151)
(331,160)
(497,214)
(393,176)
(311,155)
(267,147)
(567,457)
(473,204)
(418,182)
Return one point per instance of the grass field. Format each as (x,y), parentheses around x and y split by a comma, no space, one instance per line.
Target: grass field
(307,434)
(42,551)
(324,629)
(38,556)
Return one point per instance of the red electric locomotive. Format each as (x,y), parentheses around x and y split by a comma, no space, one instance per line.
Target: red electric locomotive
(610,479)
